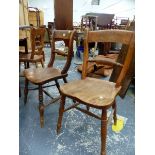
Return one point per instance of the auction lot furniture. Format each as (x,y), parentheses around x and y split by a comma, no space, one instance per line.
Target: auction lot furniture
(42,76)
(97,93)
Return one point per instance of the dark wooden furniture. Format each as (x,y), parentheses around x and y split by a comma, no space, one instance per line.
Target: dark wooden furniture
(63,11)
(104,20)
(37,44)
(23,43)
(89,21)
(97,93)
(131,71)
(42,76)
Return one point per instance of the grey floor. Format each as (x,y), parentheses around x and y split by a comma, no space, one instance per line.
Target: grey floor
(80,134)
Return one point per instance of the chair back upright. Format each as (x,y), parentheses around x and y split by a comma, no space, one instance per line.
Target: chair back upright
(67,36)
(117,36)
(37,41)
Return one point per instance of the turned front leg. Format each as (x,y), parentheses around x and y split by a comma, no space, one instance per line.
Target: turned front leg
(26,91)
(103,132)
(114,114)
(41,106)
(61,111)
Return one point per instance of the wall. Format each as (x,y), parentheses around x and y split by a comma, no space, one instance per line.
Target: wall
(121,8)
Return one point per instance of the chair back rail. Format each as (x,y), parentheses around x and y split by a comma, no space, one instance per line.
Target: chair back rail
(37,41)
(67,36)
(118,36)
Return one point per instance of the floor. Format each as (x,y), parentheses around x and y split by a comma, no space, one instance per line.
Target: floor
(80,134)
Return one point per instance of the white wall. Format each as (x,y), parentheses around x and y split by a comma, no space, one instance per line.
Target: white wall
(121,8)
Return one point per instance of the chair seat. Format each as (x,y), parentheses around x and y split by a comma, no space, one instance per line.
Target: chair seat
(27,58)
(94,92)
(43,75)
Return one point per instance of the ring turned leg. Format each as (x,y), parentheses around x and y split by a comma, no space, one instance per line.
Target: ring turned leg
(41,106)
(61,110)
(26,91)
(114,115)
(103,132)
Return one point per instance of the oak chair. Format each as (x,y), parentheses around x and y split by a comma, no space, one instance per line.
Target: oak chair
(36,54)
(42,76)
(97,93)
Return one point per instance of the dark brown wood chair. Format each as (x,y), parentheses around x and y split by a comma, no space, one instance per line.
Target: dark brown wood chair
(42,76)
(97,93)
(36,54)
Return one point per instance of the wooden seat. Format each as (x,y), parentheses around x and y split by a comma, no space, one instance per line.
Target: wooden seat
(37,44)
(97,97)
(27,58)
(41,76)
(98,93)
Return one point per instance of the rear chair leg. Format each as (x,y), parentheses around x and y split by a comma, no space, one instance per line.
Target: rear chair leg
(41,106)
(61,110)
(26,91)
(42,63)
(64,79)
(57,85)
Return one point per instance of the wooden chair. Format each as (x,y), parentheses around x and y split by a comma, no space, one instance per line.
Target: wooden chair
(37,44)
(97,93)
(42,76)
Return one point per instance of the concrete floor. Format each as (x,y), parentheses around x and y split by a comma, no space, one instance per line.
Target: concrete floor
(80,134)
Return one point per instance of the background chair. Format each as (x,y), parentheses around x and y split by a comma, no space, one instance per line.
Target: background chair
(37,44)
(98,93)
(42,76)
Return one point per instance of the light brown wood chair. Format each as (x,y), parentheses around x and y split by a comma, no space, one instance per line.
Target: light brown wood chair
(36,54)
(97,93)
(42,76)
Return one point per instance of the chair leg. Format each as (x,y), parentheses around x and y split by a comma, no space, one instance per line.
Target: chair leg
(87,108)
(36,64)
(19,67)
(61,111)
(20,91)
(64,79)
(114,115)
(28,65)
(42,63)
(103,132)
(25,65)
(57,85)
(41,106)
(26,91)
(43,56)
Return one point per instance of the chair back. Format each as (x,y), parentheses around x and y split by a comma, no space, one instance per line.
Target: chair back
(117,36)
(67,36)
(37,41)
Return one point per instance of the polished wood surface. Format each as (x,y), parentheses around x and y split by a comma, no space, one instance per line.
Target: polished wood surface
(131,71)
(103,60)
(98,93)
(63,14)
(67,36)
(27,58)
(90,91)
(43,75)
